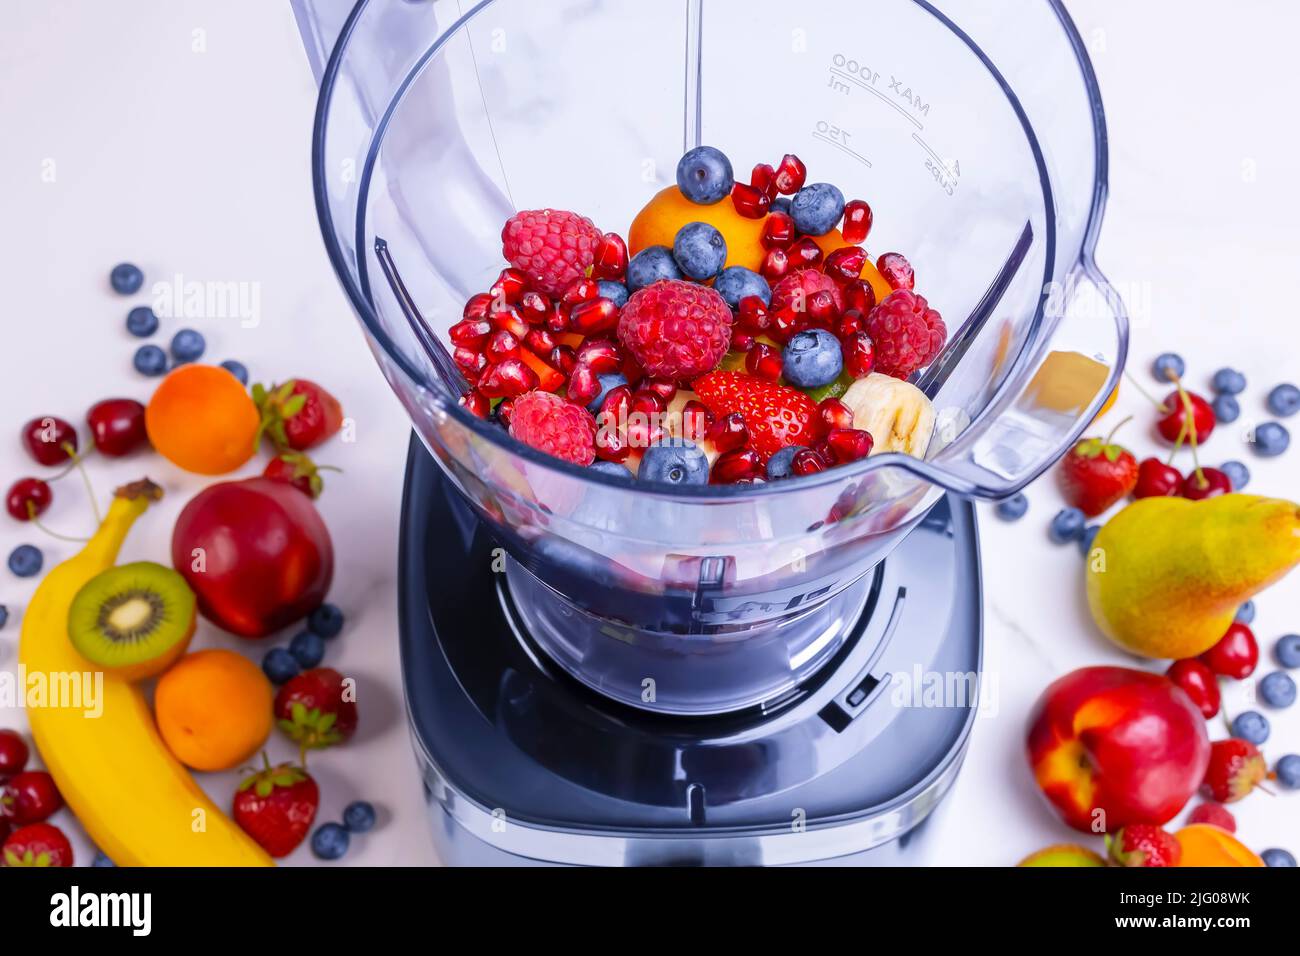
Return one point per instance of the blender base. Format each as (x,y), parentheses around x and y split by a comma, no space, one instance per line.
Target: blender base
(524,765)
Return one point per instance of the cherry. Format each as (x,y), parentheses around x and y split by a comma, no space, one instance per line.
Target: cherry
(1199,682)
(750,202)
(763,178)
(806,461)
(509,288)
(696,419)
(776,265)
(859,354)
(742,464)
(1206,483)
(13,753)
(1174,422)
(593,316)
(752,315)
(28,498)
(508,379)
(48,439)
(791,174)
(728,433)
(29,797)
(1157,480)
(501,346)
(805,254)
(611,258)
(1235,655)
(476,403)
(764,361)
(117,426)
(778,231)
(849,444)
(835,414)
(896,270)
(857,221)
(845,265)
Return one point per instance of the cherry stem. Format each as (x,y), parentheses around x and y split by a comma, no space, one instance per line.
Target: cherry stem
(1111,436)
(31,511)
(72,461)
(1189,427)
(77,463)
(1144,393)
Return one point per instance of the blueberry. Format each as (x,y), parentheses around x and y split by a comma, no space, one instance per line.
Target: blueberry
(1228,381)
(1271,439)
(326,620)
(1288,771)
(616,292)
(279,665)
(26,560)
(308,649)
(1287,650)
(102,860)
(4,615)
(126,279)
(781,204)
(699,251)
(1251,725)
(1275,856)
(1226,409)
(778,466)
(611,468)
(674,461)
(1237,473)
(1246,613)
(738,283)
(704,176)
(1013,508)
(1067,526)
(237,369)
(1277,689)
(359,817)
(812,359)
(1085,539)
(649,266)
(817,208)
(1168,367)
(330,841)
(150,360)
(141,322)
(608,382)
(187,345)
(1284,401)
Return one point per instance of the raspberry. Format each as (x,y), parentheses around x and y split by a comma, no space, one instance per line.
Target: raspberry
(795,290)
(676,329)
(545,421)
(551,247)
(1216,814)
(907,333)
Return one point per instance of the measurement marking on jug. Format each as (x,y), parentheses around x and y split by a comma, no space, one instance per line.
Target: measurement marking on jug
(839,138)
(848,69)
(944,174)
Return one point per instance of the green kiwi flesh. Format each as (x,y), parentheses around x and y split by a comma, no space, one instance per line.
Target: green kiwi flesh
(133,619)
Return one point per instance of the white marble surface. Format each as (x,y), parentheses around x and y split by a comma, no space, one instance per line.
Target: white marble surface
(197,163)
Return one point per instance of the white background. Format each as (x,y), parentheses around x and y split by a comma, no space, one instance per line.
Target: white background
(197,163)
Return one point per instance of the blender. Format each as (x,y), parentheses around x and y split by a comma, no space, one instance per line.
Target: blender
(603,672)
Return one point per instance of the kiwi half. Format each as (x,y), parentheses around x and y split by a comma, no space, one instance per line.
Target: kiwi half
(133,620)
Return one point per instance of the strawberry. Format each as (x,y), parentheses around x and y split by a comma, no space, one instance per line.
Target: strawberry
(276,805)
(38,844)
(1143,844)
(298,414)
(1095,474)
(776,416)
(1236,766)
(295,468)
(315,709)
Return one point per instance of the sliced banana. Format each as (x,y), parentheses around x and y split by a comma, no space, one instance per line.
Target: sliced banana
(897,413)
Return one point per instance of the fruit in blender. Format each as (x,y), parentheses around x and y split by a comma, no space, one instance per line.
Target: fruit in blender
(1116,746)
(817,208)
(134,619)
(560,428)
(201,419)
(1177,570)
(775,415)
(256,553)
(896,413)
(676,330)
(699,251)
(658,223)
(213,709)
(705,176)
(907,333)
(551,247)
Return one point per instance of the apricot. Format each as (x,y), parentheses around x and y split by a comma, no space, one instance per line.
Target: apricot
(213,709)
(201,419)
(657,225)
(1207,845)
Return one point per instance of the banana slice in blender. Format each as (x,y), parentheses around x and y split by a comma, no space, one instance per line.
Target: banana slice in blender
(897,413)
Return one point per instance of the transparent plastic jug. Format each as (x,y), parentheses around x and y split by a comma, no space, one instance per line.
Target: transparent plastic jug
(975,131)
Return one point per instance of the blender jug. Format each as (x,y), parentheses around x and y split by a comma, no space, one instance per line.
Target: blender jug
(973,129)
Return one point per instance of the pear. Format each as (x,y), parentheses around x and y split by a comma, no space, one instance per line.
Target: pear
(1165,576)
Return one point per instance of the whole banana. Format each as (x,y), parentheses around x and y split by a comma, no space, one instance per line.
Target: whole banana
(896,413)
(139,805)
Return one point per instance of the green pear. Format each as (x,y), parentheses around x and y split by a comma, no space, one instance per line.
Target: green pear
(1166,575)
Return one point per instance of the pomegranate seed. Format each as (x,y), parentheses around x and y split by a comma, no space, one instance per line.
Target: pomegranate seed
(503,345)
(859,354)
(751,314)
(860,296)
(851,323)
(857,221)
(750,202)
(778,231)
(581,289)
(478,306)
(601,354)
(824,450)
(742,464)
(763,179)
(508,318)
(471,333)
(805,254)
(845,265)
(508,379)
(539,341)
(791,174)
(557,320)
(896,270)
(469,360)
(741,341)
(596,315)
(786,322)
(835,414)
(662,387)
(476,403)
(611,258)
(650,404)
(505,408)
(764,361)
(821,309)
(643,430)
(806,461)
(535,307)
(617,402)
(849,444)
(776,264)
(696,419)
(611,444)
(583,385)
(509,287)
(561,357)
(728,433)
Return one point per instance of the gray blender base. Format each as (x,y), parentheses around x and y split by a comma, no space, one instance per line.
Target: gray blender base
(523,765)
